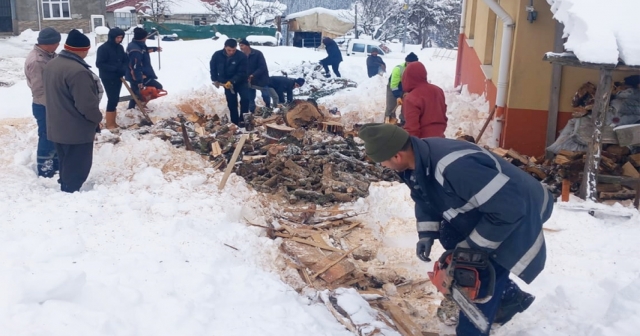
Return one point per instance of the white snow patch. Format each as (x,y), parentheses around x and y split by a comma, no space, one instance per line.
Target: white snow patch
(262,39)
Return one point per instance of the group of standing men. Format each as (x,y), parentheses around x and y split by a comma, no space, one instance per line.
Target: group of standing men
(66,96)
(243,74)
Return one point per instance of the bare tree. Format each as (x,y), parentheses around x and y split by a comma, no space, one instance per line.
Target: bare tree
(376,18)
(157,9)
(247,12)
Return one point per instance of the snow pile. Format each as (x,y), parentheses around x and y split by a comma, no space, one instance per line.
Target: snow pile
(144,250)
(101,30)
(125,9)
(600,32)
(262,39)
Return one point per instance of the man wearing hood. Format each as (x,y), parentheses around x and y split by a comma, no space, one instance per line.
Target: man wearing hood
(140,72)
(425,110)
(112,62)
(42,53)
(334,57)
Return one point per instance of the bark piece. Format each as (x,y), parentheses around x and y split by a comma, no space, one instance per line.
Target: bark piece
(629,170)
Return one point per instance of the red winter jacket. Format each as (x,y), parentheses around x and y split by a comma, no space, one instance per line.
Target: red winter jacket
(425,110)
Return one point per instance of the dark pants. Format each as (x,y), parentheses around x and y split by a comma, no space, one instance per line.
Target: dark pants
(334,65)
(75,165)
(112,88)
(264,92)
(232,102)
(505,288)
(47,159)
(136,90)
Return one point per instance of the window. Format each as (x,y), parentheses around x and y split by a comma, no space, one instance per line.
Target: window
(125,20)
(358,47)
(56,9)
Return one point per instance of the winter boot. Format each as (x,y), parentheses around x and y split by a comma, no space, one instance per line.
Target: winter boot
(111,120)
(509,307)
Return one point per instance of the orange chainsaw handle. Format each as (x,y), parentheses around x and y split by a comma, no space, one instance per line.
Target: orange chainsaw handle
(492,286)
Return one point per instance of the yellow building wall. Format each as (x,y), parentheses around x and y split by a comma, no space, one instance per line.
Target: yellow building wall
(511,6)
(483,32)
(530,80)
(470,19)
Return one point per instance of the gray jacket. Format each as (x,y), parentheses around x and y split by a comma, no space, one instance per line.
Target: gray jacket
(33,68)
(73,96)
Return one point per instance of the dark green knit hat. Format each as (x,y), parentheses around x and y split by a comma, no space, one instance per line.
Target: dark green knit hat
(382,141)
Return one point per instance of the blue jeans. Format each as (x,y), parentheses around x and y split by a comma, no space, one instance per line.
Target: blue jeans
(47,157)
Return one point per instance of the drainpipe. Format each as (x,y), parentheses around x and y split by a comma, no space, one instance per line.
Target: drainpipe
(503,71)
(463,18)
(38,6)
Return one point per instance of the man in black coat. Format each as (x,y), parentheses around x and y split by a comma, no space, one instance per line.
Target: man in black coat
(112,63)
(229,69)
(375,64)
(258,75)
(284,84)
(334,57)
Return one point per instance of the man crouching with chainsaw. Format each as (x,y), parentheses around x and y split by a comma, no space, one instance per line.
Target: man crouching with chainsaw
(487,213)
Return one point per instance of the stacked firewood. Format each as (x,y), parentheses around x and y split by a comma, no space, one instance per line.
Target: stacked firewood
(299,153)
(616,161)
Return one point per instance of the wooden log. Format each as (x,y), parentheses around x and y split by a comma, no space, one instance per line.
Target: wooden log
(618,150)
(232,162)
(406,326)
(608,164)
(541,175)
(561,160)
(607,187)
(351,180)
(519,158)
(621,195)
(571,155)
(635,160)
(278,131)
(302,114)
(501,152)
(333,262)
(271,182)
(295,169)
(251,158)
(629,170)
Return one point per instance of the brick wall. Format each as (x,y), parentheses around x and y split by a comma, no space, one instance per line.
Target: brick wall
(63,26)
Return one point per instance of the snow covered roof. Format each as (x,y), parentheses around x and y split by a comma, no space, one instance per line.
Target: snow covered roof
(600,31)
(190,7)
(125,9)
(342,15)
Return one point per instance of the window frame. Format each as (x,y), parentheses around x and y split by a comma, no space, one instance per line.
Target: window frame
(50,3)
(364,48)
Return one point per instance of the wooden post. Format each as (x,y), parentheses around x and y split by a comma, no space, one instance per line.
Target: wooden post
(232,162)
(554,97)
(589,178)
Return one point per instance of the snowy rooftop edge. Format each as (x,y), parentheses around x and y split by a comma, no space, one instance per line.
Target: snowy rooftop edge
(319,10)
(598,33)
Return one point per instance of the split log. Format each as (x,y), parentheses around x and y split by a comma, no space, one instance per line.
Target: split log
(561,160)
(302,114)
(621,195)
(517,157)
(350,179)
(294,170)
(608,164)
(608,188)
(618,150)
(501,152)
(629,170)
(571,155)
(537,172)
(278,131)
(405,325)
(635,160)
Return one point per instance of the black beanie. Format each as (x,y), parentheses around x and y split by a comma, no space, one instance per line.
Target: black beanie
(411,58)
(300,81)
(244,41)
(77,41)
(139,34)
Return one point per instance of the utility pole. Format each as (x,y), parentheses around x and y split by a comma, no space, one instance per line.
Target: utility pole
(406,23)
(357,20)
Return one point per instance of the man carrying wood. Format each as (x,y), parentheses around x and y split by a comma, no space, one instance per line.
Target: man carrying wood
(467,197)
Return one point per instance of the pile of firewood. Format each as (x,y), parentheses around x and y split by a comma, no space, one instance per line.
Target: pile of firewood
(617,162)
(300,153)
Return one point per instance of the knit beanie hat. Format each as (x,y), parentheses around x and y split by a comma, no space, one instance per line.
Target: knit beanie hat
(48,36)
(244,41)
(139,33)
(77,41)
(382,141)
(300,81)
(411,58)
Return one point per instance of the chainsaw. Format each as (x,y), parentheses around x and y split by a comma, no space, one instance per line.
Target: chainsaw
(456,276)
(149,93)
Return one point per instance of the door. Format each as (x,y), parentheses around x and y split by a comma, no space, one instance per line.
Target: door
(96,21)
(6,21)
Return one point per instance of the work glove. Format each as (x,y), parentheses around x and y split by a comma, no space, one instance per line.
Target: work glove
(399,101)
(228,85)
(423,248)
(216,84)
(140,86)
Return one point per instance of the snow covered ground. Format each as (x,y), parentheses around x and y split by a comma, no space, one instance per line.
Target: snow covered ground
(141,251)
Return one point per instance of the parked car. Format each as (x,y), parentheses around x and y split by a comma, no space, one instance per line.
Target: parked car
(358,47)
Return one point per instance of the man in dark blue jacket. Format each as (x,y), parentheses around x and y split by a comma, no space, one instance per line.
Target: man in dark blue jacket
(140,72)
(112,62)
(334,57)
(468,197)
(258,75)
(375,64)
(283,84)
(228,68)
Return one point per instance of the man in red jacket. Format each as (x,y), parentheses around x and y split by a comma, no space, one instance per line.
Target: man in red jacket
(425,110)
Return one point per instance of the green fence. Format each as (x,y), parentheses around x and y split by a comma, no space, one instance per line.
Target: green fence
(189,32)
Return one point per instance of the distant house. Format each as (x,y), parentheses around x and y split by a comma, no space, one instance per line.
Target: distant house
(63,15)
(310,26)
(128,13)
